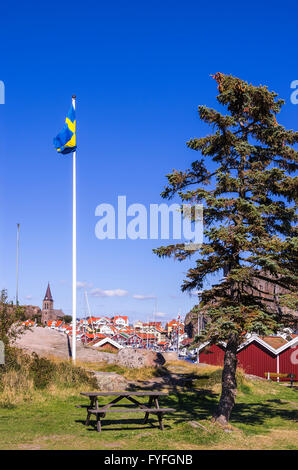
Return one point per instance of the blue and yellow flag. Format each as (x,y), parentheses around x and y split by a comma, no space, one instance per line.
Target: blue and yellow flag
(65,142)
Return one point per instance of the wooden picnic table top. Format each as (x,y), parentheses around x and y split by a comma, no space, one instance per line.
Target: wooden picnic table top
(123,394)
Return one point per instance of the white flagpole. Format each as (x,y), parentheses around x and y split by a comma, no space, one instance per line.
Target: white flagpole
(178,334)
(74,254)
(17,280)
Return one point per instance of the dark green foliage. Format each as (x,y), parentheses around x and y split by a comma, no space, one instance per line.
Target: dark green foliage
(244,179)
(249,199)
(11,360)
(42,371)
(67,318)
(74,375)
(45,372)
(37,319)
(10,315)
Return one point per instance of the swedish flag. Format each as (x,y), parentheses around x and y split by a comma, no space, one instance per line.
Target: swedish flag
(65,142)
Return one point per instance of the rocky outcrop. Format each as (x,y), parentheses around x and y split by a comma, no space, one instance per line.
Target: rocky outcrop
(46,342)
(170,356)
(191,325)
(32,312)
(28,312)
(109,381)
(103,356)
(136,358)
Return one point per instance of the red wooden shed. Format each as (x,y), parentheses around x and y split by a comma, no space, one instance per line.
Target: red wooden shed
(258,356)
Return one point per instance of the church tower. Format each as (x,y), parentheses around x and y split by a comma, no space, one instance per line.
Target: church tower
(48,312)
(48,302)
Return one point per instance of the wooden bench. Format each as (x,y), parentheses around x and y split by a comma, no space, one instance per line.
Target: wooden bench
(277,375)
(100,411)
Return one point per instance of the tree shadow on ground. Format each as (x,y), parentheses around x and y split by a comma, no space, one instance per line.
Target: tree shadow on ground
(197,404)
(200,405)
(128,424)
(258,413)
(175,384)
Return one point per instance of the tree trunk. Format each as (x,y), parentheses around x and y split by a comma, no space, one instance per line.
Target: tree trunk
(229,383)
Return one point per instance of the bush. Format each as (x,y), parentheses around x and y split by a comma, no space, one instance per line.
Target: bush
(72,376)
(42,371)
(45,372)
(22,376)
(16,385)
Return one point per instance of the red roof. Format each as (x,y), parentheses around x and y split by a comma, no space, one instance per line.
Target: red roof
(144,336)
(160,329)
(120,316)
(97,339)
(28,322)
(93,319)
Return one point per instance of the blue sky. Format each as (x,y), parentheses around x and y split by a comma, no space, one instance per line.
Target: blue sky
(139,69)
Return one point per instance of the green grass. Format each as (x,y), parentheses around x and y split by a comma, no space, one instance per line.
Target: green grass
(142,373)
(265,417)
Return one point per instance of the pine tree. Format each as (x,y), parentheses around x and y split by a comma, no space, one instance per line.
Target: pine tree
(250,202)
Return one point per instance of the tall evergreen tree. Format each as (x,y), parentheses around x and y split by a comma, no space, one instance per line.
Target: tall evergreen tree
(250,202)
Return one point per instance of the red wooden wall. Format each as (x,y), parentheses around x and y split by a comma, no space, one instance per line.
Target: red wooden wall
(213,355)
(255,359)
(288,361)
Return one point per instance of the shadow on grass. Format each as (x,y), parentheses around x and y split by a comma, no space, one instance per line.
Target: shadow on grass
(188,405)
(200,405)
(259,413)
(191,404)
(138,424)
(179,385)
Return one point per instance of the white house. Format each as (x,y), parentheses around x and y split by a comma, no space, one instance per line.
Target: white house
(120,320)
(107,330)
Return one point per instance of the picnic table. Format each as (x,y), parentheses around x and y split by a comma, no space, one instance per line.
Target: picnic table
(100,411)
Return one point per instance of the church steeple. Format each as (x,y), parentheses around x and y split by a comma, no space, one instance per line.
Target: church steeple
(48,302)
(48,295)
